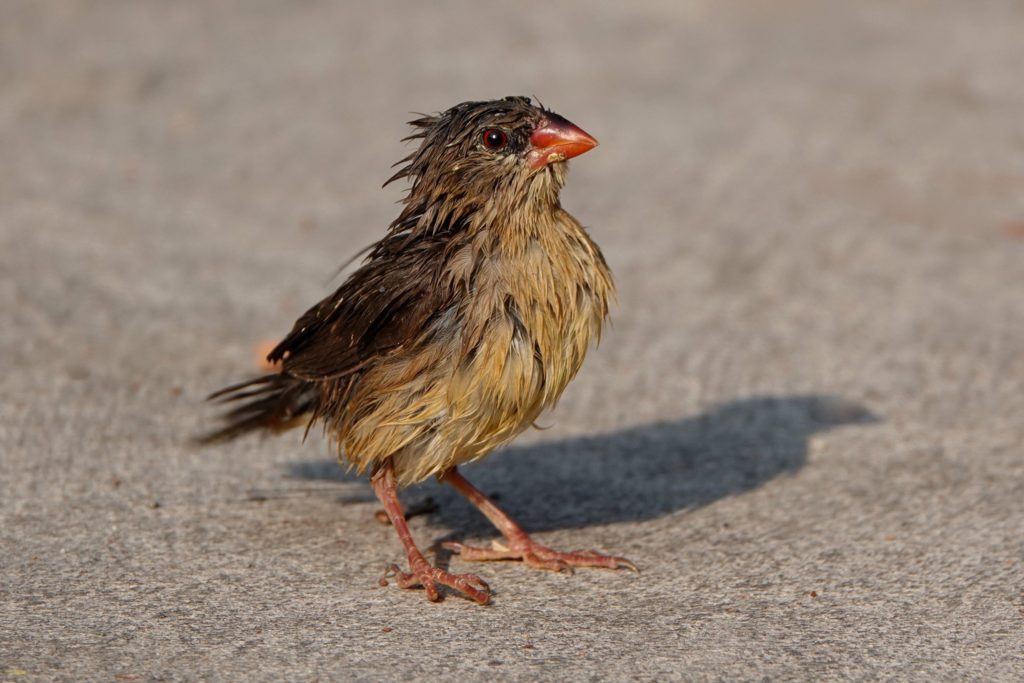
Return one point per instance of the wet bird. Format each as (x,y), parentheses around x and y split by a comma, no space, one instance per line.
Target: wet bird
(464,322)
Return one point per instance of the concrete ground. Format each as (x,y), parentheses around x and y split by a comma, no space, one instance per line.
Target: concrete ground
(805,426)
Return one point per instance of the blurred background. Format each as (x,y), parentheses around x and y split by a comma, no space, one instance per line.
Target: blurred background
(805,424)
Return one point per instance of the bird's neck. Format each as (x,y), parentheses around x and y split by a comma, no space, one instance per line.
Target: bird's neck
(511,216)
(528,213)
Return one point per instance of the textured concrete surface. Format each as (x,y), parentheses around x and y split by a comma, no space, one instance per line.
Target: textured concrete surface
(806,425)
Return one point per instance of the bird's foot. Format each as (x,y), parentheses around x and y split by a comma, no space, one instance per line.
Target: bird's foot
(422,573)
(535,555)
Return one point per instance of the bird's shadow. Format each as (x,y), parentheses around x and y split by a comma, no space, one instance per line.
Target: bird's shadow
(642,472)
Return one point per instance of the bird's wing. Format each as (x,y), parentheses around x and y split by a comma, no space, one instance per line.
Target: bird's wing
(386,304)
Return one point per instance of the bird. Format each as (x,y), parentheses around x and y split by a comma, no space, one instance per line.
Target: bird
(462,324)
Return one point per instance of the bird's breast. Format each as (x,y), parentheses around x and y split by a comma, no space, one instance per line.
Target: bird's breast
(526,326)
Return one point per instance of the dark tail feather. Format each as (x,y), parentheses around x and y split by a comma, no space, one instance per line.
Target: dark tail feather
(275,402)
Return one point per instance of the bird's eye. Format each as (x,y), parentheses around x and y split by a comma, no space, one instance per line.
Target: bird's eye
(494,138)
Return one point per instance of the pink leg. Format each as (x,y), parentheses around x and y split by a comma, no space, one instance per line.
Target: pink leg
(421,572)
(520,545)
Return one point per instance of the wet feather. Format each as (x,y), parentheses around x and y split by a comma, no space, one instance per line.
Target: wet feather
(463,324)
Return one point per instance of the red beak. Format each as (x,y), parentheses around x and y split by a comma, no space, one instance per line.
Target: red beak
(555,139)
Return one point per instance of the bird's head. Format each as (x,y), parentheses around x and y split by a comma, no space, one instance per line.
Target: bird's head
(477,152)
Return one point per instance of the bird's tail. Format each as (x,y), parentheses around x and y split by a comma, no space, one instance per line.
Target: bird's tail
(274,402)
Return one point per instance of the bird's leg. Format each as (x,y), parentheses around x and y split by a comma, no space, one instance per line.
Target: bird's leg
(520,546)
(424,507)
(421,572)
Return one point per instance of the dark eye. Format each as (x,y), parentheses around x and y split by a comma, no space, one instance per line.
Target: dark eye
(494,138)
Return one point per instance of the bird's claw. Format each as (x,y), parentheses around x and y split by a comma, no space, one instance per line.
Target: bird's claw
(538,556)
(619,562)
(428,576)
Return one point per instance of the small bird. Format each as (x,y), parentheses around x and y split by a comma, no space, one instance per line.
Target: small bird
(463,323)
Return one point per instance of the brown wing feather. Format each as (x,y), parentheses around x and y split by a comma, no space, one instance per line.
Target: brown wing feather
(385,304)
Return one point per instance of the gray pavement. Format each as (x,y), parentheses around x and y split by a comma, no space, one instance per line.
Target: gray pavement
(805,426)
